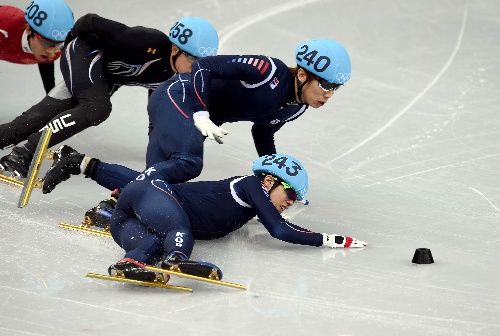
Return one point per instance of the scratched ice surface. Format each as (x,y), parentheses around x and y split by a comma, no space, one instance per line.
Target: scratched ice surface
(407,155)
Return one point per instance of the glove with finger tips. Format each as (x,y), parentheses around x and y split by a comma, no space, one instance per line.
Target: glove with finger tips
(207,127)
(335,241)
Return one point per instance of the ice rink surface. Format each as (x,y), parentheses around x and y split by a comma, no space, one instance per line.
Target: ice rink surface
(406,155)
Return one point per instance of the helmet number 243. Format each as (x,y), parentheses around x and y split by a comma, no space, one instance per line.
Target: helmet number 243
(281,162)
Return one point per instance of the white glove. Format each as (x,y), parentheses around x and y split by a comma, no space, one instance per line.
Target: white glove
(207,127)
(334,241)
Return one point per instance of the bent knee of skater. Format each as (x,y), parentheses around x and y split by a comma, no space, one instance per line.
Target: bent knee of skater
(193,168)
(98,111)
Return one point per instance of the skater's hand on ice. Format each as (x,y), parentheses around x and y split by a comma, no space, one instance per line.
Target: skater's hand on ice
(334,241)
(207,127)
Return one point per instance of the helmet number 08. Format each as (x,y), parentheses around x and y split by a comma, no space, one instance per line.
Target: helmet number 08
(320,63)
(182,35)
(281,162)
(33,10)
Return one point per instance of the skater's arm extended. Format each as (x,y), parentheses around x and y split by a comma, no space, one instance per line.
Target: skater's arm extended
(282,229)
(277,226)
(263,138)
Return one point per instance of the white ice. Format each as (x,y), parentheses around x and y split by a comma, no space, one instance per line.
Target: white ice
(406,155)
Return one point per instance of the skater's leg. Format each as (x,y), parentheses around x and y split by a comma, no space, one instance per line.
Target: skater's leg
(138,242)
(85,77)
(111,176)
(175,147)
(18,130)
(160,211)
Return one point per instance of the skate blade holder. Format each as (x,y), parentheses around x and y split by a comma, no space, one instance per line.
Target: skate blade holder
(160,277)
(154,283)
(32,180)
(171,272)
(86,226)
(214,275)
(14,179)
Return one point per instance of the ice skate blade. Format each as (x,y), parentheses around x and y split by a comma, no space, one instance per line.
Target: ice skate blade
(85,228)
(156,283)
(32,180)
(14,180)
(192,277)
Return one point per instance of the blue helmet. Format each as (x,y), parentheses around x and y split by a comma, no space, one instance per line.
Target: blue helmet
(53,19)
(325,58)
(196,36)
(287,168)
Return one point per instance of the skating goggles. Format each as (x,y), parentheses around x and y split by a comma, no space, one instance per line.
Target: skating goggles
(48,43)
(190,57)
(327,86)
(290,192)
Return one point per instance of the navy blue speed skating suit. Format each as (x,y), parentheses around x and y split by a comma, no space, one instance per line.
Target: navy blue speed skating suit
(233,88)
(153,218)
(103,56)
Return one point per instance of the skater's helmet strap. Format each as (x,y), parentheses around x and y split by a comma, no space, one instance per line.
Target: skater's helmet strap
(52,19)
(286,168)
(326,59)
(195,36)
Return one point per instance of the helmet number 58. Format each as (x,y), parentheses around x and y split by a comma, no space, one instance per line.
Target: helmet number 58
(182,35)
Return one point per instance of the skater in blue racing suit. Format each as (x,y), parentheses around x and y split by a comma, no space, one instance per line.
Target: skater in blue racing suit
(253,88)
(156,221)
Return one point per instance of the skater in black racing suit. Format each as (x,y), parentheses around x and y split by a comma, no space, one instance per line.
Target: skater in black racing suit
(102,55)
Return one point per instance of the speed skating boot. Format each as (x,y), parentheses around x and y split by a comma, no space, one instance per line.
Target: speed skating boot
(17,162)
(178,262)
(100,215)
(131,269)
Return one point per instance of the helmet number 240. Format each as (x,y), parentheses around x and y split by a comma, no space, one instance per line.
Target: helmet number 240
(320,63)
(281,162)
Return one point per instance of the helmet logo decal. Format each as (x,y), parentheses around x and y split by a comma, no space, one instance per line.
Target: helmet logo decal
(343,77)
(153,51)
(320,63)
(59,35)
(207,51)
